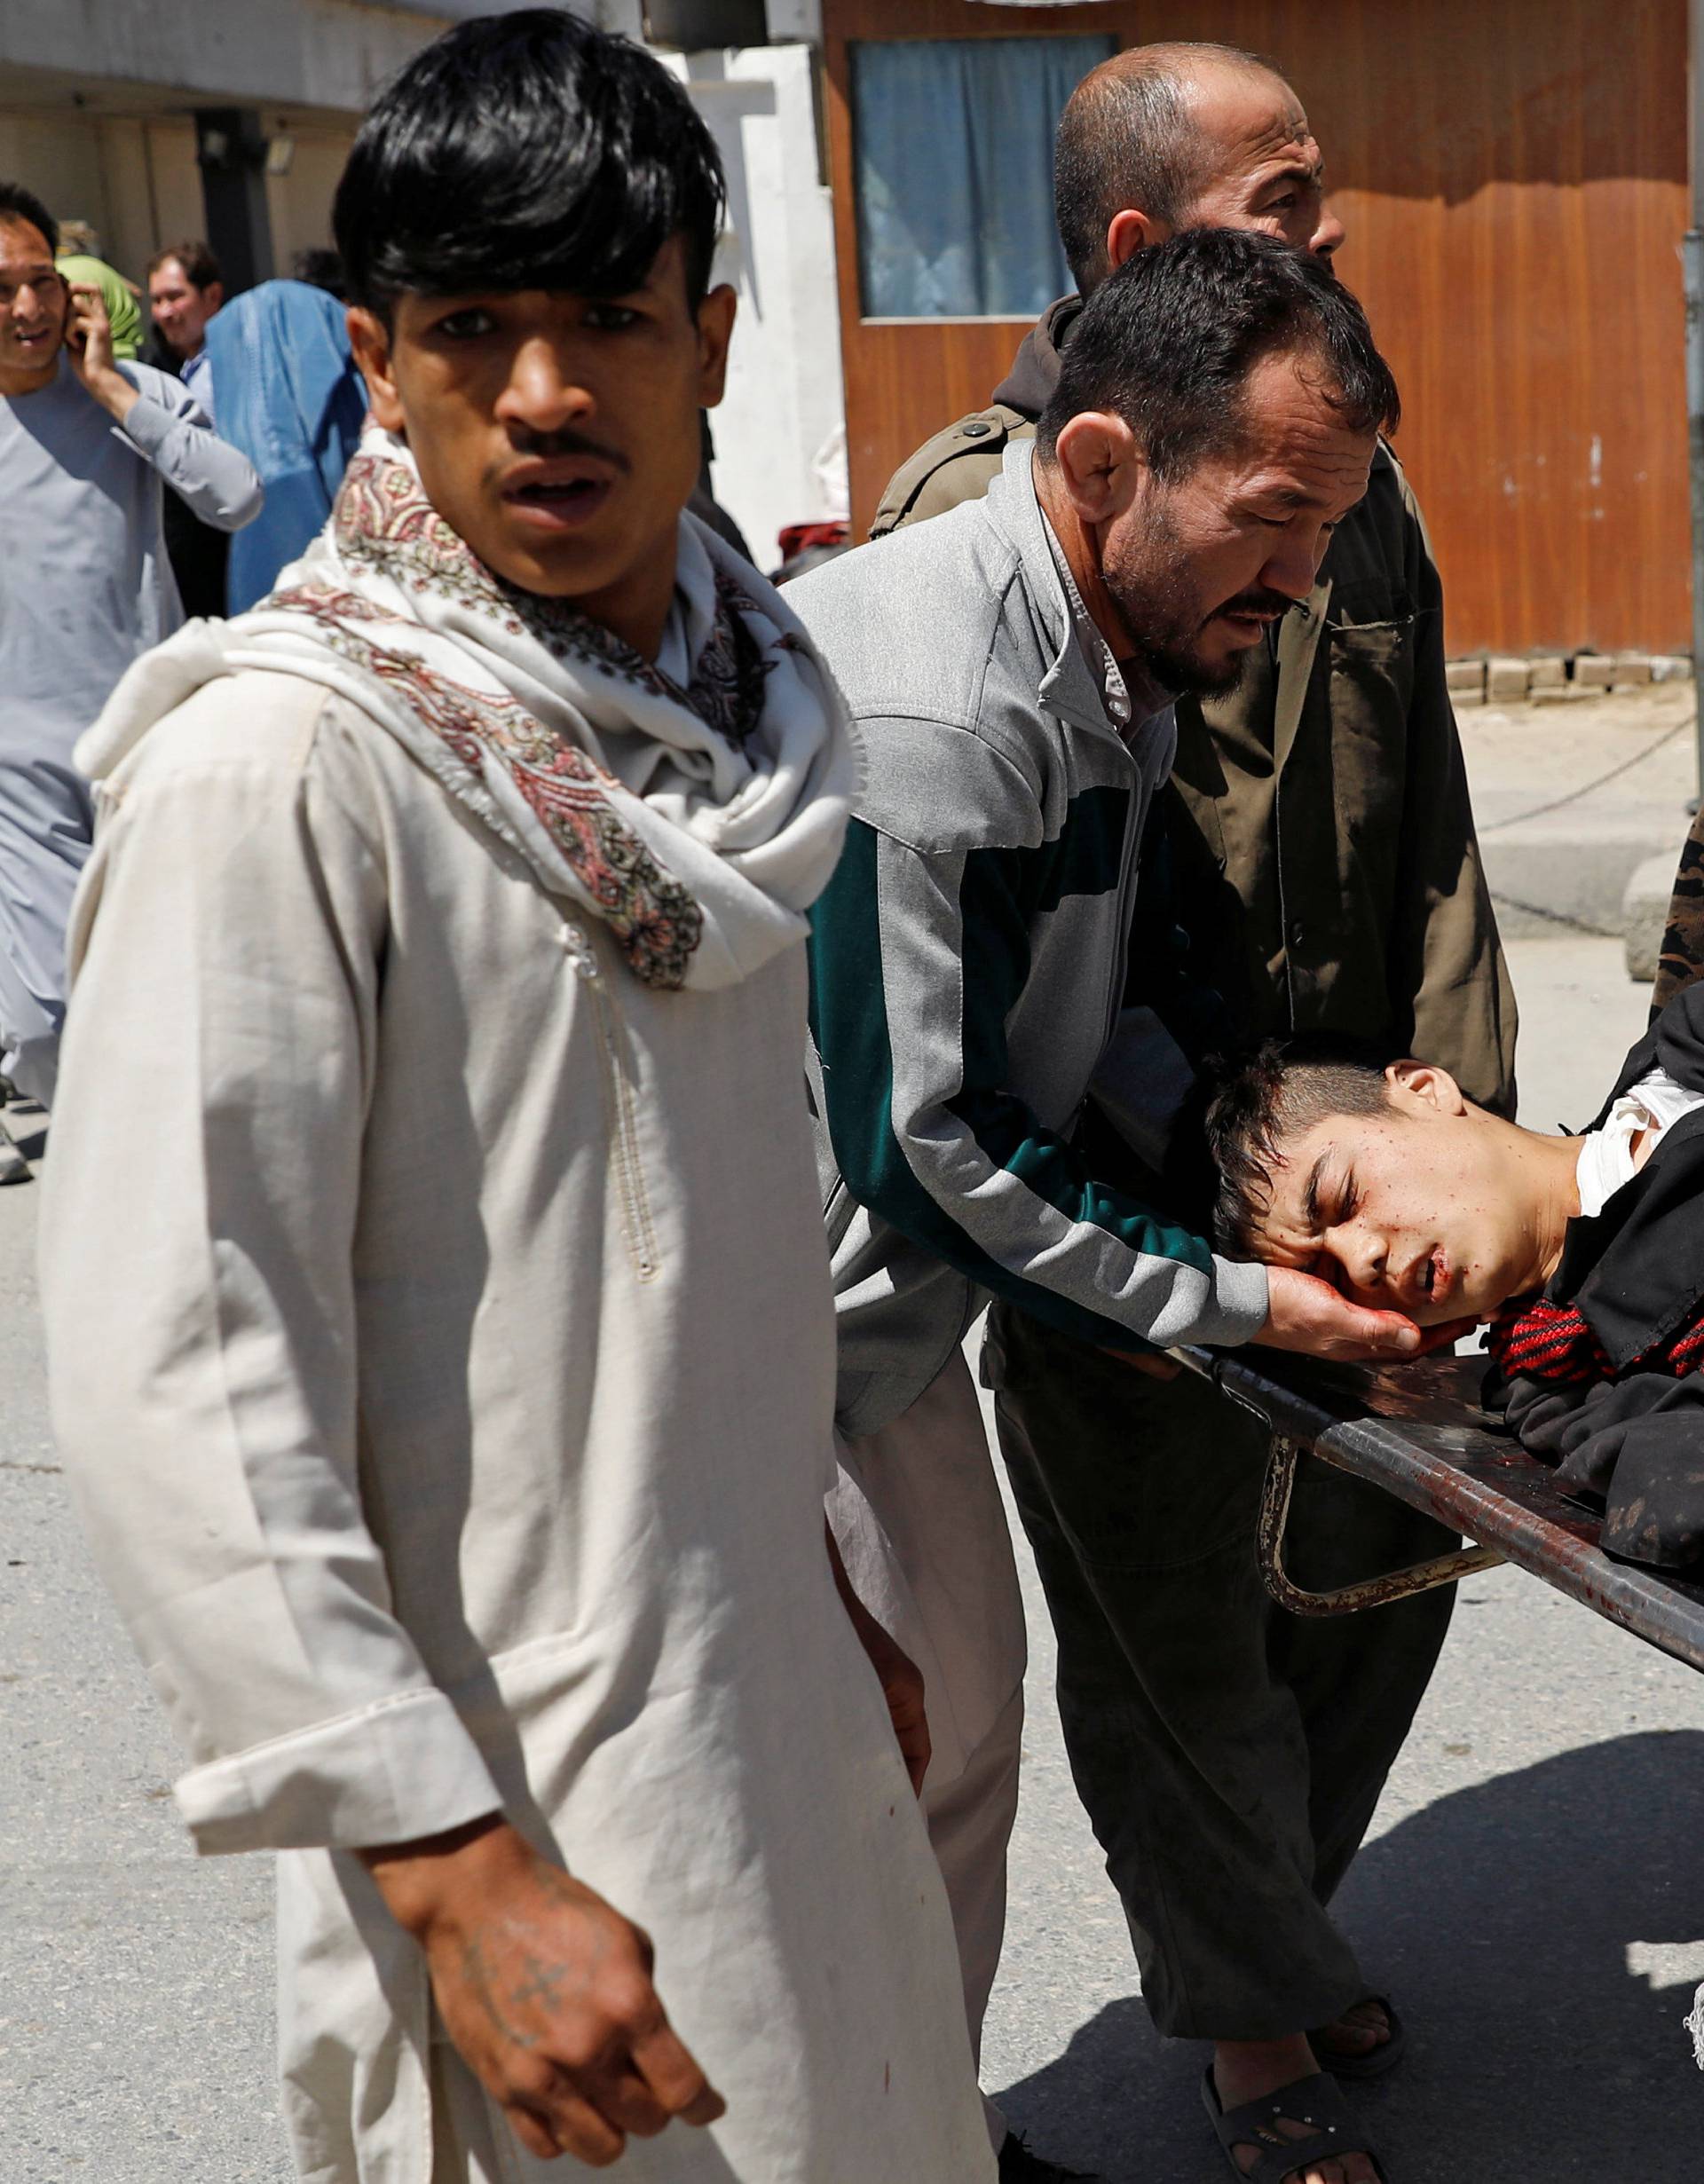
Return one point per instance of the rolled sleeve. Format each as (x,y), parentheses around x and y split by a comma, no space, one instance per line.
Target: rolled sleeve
(402,1768)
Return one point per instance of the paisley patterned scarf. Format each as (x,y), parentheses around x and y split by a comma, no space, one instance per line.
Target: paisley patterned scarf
(698,817)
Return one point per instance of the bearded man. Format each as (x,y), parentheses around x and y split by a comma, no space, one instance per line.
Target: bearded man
(1322,873)
(1012,666)
(440,1325)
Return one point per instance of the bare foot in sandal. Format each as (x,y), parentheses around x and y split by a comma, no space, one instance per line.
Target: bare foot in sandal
(1363,2027)
(1247,2070)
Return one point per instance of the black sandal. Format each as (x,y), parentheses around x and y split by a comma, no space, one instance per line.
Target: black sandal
(1370,2063)
(1315,2101)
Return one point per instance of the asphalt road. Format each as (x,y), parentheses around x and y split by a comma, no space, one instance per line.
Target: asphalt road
(1534,1891)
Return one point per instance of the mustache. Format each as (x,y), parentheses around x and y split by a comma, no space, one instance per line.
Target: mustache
(1259,601)
(567,441)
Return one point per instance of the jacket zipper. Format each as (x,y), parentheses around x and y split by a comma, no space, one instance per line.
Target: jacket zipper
(1126,892)
(618,1099)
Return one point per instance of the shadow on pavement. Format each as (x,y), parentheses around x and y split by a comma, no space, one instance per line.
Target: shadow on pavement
(1501,1917)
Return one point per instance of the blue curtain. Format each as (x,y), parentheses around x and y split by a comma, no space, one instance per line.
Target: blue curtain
(955,161)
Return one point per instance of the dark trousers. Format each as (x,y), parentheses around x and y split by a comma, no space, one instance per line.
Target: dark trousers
(1228,1754)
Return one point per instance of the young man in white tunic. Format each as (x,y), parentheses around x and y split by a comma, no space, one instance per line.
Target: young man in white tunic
(440,1327)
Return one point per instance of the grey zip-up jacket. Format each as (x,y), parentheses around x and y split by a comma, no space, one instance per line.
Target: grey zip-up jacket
(968,963)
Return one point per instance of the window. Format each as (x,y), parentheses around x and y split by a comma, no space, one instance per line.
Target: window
(954,160)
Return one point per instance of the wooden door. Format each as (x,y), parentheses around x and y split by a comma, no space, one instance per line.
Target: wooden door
(1513,181)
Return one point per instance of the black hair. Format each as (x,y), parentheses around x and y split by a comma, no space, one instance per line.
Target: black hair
(1274,1092)
(1167,341)
(526,151)
(320,268)
(17,203)
(1129,141)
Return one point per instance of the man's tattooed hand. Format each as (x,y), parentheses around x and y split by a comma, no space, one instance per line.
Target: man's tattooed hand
(546,1990)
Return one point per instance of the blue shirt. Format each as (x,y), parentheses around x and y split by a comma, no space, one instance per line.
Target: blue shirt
(197,375)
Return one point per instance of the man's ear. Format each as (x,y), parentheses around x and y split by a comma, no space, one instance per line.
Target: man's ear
(1129,232)
(215,294)
(1422,1085)
(716,331)
(1099,463)
(370,339)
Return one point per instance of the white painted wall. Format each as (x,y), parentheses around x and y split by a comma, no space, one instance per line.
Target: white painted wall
(784,399)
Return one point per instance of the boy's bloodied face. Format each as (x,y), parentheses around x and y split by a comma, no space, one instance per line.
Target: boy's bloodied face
(558,434)
(1425,1207)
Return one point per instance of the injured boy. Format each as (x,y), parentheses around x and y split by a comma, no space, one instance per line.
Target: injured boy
(1585,1254)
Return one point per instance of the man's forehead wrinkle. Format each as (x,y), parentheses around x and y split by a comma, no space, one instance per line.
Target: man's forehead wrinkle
(1258,142)
(1308,172)
(1301,478)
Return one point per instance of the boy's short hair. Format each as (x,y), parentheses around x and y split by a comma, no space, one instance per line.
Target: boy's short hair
(19,204)
(1273,1092)
(526,151)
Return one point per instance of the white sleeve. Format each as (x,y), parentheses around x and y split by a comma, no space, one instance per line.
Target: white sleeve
(198,1220)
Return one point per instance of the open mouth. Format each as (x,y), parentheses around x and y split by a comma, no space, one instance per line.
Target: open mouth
(559,503)
(1434,1277)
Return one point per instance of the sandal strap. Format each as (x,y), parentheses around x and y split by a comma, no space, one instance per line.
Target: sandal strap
(1315,2101)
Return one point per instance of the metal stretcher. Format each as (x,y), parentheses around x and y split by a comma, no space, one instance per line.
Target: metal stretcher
(1417,1431)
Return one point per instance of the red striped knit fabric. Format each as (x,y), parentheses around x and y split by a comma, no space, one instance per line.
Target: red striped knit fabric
(1542,1341)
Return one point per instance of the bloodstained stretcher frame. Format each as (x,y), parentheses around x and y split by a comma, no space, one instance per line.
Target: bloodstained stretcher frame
(1418,1432)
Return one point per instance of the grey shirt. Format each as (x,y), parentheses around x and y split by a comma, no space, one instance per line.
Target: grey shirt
(967,960)
(85,585)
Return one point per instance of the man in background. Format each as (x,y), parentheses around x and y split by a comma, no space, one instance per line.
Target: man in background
(1011,668)
(1323,867)
(185,291)
(85,446)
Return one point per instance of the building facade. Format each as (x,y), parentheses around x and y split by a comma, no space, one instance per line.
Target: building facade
(1513,179)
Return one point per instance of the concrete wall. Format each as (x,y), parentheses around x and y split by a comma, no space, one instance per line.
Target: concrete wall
(784,399)
(136,181)
(317,52)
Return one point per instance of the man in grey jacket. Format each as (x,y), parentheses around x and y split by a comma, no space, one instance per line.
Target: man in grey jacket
(86,444)
(1011,667)
(1318,843)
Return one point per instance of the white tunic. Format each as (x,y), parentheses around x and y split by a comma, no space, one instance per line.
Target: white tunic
(442,1346)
